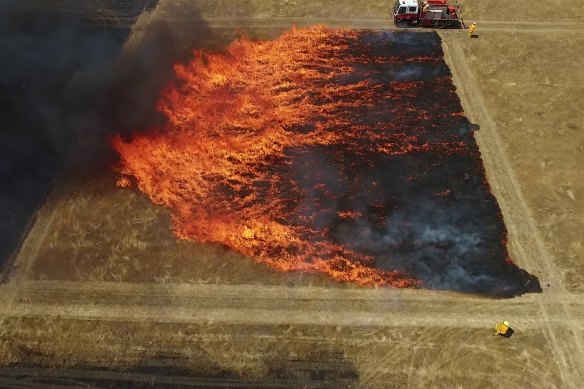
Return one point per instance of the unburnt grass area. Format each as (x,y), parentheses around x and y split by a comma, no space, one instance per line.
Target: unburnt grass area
(365,356)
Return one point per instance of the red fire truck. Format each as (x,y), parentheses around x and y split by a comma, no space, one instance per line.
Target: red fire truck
(436,13)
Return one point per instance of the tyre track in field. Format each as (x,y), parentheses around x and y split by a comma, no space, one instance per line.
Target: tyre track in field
(260,305)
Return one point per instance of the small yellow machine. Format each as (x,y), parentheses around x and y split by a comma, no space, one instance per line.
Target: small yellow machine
(502,328)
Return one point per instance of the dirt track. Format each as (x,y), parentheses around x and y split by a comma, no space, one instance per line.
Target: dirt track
(549,325)
(375,314)
(245,304)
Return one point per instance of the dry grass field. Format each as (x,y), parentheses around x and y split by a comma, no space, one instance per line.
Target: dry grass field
(102,233)
(404,357)
(492,10)
(532,87)
(103,291)
(548,11)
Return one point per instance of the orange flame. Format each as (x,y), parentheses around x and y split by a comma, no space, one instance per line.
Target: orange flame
(123,182)
(219,164)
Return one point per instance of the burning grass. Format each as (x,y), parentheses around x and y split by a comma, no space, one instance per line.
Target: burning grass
(103,234)
(336,151)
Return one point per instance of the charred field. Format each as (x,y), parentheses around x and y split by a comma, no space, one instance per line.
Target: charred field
(345,158)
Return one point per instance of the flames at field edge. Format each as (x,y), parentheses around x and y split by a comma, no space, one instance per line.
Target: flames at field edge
(232,116)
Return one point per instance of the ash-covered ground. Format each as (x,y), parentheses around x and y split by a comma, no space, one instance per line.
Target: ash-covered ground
(430,213)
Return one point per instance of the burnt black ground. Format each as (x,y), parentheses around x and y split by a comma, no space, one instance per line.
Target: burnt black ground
(429,213)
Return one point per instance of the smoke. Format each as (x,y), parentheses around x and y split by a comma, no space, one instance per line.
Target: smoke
(417,72)
(406,219)
(430,239)
(453,240)
(403,43)
(62,84)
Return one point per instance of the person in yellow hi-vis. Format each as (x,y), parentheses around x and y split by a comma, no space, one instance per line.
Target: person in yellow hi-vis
(471,29)
(502,328)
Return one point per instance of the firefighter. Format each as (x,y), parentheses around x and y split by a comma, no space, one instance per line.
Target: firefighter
(471,29)
(502,328)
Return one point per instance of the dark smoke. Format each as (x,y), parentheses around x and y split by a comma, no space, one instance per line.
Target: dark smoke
(63,84)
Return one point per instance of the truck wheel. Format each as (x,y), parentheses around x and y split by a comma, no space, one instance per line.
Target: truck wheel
(440,24)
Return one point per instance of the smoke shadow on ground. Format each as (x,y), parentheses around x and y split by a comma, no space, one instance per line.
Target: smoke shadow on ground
(322,367)
(64,88)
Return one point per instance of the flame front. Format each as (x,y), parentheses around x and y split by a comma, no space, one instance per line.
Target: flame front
(264,142)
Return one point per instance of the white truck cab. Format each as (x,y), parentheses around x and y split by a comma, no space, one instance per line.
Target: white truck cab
(405,9)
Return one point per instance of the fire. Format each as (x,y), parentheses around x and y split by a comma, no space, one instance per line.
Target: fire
(123,182)
(349,214)
(248,233)
(264,144)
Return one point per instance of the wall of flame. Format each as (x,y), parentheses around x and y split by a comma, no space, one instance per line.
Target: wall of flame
(327,150)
